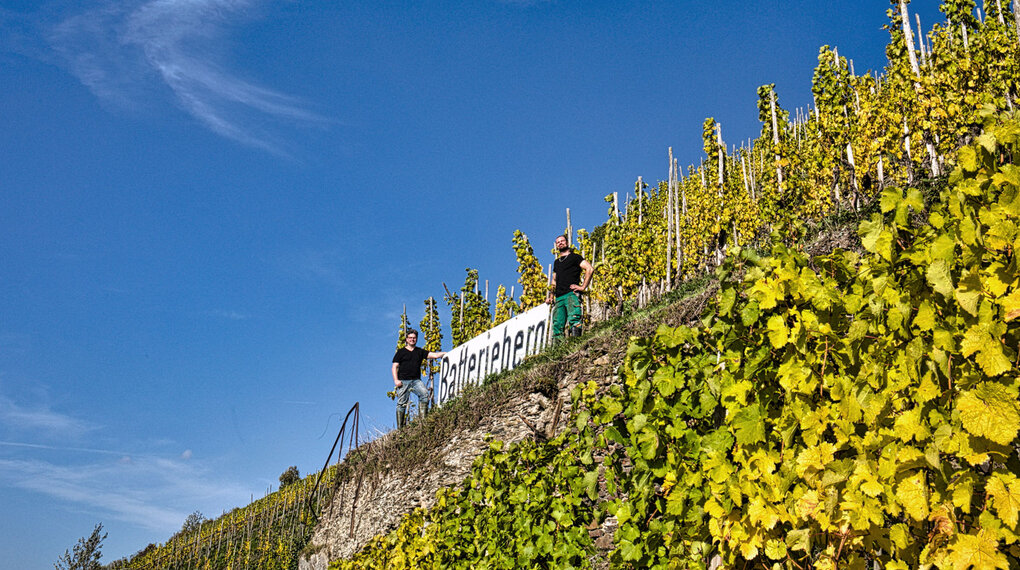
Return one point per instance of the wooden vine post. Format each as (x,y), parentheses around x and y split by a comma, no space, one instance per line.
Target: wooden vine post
(853,172)
(1016,19)
(721,155)
(908,38)
(570,230)
(669,224)
(682,207)
(639,186)
(775,140)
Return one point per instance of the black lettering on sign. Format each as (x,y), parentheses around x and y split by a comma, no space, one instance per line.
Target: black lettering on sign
(539,335)
(483,362)
(462,372)
(518,345)
(446,372)
(506,362)
(497,363)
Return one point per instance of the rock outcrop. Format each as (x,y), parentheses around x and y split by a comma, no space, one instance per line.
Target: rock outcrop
(360,511)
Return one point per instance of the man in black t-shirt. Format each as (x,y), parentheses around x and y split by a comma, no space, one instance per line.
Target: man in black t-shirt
(567,286)
(407,375)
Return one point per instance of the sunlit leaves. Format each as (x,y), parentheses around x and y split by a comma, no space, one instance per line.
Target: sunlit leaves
(833,411)
(990,410)
(749,425)
(1004,491)
(978,550)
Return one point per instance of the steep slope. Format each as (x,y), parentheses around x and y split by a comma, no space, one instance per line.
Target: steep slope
(845,410)
(404,470)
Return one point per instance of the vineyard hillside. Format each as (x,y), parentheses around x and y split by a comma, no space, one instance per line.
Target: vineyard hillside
(334,514)
(850,409)
(403,471)
(805,357)
(529,406)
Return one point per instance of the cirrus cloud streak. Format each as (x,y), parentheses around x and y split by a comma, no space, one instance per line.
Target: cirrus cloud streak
(129,53)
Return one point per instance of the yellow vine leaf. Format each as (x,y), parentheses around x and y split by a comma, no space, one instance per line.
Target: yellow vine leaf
(963,490)
(939,278)
(814,458)
(990,410)
(749,548)
(979,550)
(1011,305)
(968,293)
(762,514)
(1008,175)
(1004,491)
(876,238)
(925,318)
(967,159)
(928,390)
(997,278)
(871,488)
(943,248)
(779,334)
(775,549)
(899,534)
(912,494)
(799,539)
(909,426)
(983,339)
(808,505)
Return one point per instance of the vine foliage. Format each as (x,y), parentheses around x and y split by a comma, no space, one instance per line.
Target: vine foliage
(829,412)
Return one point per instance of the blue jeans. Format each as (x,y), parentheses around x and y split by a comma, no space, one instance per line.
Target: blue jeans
(404,394)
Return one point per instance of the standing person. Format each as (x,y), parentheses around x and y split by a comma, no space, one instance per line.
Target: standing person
(567,286)
(407,375)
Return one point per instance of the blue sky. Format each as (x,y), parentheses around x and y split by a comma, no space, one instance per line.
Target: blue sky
(213,211)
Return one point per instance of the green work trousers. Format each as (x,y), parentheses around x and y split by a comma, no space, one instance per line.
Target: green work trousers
(566,315)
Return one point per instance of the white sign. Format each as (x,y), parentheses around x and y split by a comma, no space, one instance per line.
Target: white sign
(500,348)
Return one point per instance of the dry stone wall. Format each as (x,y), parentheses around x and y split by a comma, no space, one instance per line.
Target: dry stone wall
(359,513)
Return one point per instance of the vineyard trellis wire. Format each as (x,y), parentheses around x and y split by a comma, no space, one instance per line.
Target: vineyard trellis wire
(267,534)
(352,439)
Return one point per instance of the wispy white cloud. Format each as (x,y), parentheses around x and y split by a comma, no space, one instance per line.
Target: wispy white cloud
(126,52)
(40,418)
(26,445)
(149,492)
(229,315)
(322,265)
(144,490)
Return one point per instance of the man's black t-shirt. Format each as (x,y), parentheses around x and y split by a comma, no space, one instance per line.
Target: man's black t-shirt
(568,272)
(409,362)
